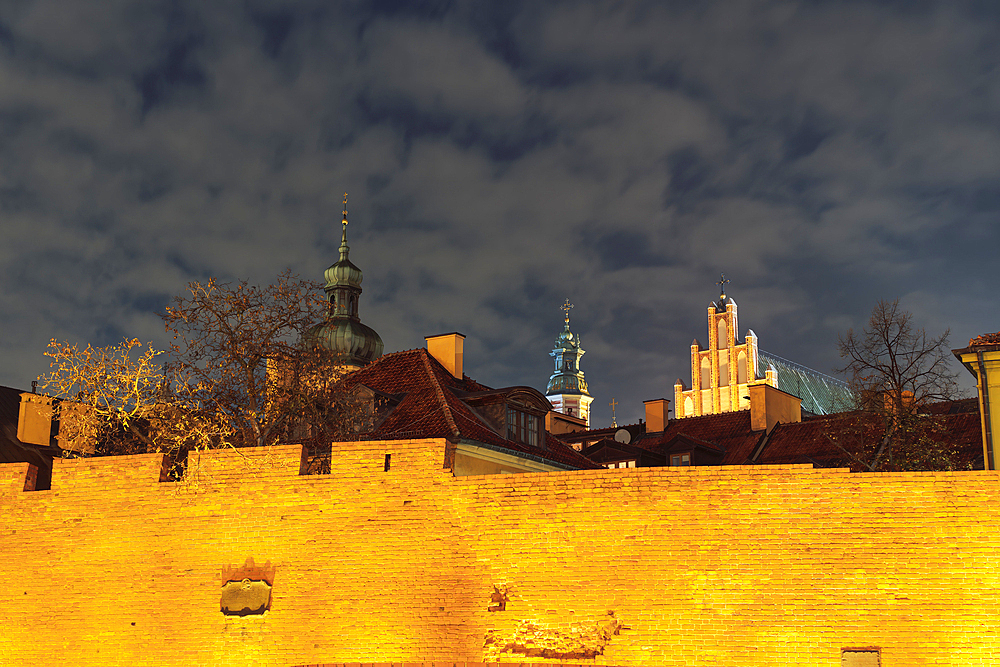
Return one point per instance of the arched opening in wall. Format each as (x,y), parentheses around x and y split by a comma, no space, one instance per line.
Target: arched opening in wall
(706,373)
(688,406)
(741,367)
(723,368)
(723,340)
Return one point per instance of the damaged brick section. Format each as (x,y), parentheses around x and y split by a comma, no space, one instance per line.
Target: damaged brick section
(533,641)
(498,599)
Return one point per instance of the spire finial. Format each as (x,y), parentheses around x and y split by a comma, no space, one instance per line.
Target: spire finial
(343,237)
(722,282)
(614,418)
(565,308)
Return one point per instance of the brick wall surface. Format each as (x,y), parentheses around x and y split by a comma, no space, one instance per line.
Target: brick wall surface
(778,565)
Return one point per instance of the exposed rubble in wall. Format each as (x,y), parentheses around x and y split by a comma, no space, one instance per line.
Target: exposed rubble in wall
(534,641)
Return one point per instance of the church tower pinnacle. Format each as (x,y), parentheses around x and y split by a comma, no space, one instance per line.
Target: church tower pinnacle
(343,331)
(567,388)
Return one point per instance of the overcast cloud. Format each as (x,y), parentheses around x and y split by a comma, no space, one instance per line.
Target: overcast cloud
(501,157)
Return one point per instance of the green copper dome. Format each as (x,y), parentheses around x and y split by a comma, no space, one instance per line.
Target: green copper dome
(343,273)
(568,378)
(343,332)
(358,343)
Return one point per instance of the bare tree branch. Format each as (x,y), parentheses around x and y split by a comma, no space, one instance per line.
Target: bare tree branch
(895,371)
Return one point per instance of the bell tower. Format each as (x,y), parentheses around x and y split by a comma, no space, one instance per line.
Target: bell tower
(567,388)
(343,332)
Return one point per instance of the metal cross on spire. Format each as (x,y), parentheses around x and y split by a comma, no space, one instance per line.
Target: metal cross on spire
(345,209)
(614,418)
(722,282)
(565,308)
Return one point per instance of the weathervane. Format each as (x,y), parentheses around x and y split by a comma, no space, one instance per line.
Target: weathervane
(565,308)
(614,418)
(722,282)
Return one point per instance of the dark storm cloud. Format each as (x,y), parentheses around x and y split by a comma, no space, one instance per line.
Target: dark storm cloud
(500,158)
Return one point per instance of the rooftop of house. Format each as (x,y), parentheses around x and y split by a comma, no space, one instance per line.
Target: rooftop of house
(731,437)
(429,402)
(985,339)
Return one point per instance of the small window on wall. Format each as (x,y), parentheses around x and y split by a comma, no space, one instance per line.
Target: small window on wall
(680,459)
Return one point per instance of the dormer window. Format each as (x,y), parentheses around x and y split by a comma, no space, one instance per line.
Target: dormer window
(680,459)
(522,427)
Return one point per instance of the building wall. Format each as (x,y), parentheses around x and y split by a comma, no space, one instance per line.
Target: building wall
(648,566)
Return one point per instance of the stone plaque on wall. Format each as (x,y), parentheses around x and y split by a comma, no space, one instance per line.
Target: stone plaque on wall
(860,657)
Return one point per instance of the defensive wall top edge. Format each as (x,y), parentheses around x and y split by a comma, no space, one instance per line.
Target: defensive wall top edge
(211,466)
(421,457)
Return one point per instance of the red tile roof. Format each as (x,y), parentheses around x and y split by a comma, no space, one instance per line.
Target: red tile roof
(729,430)
(986,339)
(812,441)
(429,408)
(807,441)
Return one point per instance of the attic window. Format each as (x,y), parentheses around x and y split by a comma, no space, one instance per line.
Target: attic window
(680,459)
(522,427)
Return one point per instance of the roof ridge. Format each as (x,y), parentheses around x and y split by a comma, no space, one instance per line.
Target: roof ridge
(440,396)
(800,367)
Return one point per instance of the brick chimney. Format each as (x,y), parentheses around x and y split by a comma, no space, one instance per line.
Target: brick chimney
(769,406)
(449,350)
(657,412)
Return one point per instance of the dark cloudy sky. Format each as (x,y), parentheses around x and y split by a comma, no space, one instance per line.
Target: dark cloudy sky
(501,157)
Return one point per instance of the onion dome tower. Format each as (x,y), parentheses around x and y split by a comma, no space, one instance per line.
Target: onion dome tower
(567,389)
(343,332)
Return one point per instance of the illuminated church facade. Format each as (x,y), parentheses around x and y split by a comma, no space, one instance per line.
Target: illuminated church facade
(722,373)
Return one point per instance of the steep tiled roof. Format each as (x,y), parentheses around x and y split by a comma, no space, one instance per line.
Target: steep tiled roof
(807,442)
(986,339)
(729,430)
(820,394)
(430,408)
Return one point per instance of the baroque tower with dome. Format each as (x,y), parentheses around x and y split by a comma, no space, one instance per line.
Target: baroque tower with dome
(342,331)
(567,388)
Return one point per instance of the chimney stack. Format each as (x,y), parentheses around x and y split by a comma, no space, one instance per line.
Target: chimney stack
(769,406)
(657,412)
(449,350)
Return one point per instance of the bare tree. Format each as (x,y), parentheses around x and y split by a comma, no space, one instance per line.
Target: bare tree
(897,373)
(240,353)
(239,373)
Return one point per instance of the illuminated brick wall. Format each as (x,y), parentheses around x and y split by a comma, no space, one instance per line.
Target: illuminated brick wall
(781,565)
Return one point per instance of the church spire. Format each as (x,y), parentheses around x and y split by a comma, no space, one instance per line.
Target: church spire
(344,249)
(567,388)
(343,331)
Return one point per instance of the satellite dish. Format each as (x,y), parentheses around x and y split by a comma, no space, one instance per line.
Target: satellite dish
(623,436)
